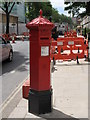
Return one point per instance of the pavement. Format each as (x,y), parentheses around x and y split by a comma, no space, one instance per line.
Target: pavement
(70,94)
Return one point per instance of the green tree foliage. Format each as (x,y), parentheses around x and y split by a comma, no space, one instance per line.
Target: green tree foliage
(33,12)
(34,8)
(64,18)
(75,7)
(55,16)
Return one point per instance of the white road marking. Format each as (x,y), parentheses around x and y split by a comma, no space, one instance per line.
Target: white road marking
(11,96)
(12,71)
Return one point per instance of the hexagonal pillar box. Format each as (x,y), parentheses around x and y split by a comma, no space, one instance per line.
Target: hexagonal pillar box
(40,93)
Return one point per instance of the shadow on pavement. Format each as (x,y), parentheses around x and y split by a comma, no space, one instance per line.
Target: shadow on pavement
(18,59)
(56,114)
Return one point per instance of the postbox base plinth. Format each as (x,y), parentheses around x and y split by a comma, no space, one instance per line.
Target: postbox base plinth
(40,102)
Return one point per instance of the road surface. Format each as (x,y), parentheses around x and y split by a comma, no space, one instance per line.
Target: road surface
(13,73)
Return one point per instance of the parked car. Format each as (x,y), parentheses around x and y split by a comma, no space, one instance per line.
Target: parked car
(6,50)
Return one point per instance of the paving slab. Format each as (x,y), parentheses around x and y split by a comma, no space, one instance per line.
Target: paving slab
(70,93)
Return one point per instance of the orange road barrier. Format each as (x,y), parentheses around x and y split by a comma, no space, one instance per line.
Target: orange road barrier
(70,34)
(26,33)
(6,37)
(69,48)
(9,37)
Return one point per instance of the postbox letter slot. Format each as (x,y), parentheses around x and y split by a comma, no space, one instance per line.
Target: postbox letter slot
(42,38)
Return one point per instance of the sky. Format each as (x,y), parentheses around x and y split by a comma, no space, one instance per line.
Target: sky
(59,5)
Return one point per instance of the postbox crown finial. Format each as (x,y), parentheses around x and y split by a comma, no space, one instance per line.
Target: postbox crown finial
(41,12)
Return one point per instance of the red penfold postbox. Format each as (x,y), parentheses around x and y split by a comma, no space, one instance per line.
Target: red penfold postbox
(40,89)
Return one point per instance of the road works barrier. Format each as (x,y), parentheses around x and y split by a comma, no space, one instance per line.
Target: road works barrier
(70,34)
(6,36)
(69,48)
(9,37)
